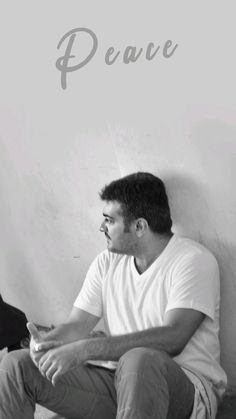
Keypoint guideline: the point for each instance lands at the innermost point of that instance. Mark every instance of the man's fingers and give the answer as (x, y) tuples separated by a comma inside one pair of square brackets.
[(50, 372), (33, 331), (56, 377), (44, 361)]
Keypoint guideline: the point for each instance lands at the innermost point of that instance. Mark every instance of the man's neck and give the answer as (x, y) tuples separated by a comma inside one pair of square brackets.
[(151, 252)]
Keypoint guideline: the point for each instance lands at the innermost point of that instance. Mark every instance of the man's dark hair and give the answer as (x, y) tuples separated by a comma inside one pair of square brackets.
[(141, 195)]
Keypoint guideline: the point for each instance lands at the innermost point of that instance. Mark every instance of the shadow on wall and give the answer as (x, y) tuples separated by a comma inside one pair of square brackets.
[(204, 208), (189, 206), (194, 217)]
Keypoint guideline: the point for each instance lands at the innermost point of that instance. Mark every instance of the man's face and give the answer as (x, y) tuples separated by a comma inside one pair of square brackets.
[(119, 240)]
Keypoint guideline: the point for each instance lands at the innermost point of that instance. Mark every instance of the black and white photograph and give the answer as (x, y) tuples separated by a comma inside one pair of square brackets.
[(117, 209)]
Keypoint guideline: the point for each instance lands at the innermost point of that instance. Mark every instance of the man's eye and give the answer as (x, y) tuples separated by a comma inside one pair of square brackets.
[(108, 220)]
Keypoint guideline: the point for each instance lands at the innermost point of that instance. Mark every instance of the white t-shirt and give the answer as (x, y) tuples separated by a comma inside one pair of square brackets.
[(185, 275)]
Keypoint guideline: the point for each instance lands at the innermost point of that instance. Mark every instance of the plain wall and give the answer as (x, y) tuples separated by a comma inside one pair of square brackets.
[(174, 117)]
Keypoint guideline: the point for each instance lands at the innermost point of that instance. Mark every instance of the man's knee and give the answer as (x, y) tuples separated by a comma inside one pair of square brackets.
[(140, 382), (141, 361), (15, 361)]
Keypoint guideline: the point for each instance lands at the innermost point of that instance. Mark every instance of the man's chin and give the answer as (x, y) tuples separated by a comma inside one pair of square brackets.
[(114, 250), (110, 247)]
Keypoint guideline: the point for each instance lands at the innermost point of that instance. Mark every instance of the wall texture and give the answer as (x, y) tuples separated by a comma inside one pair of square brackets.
[(64, 134)]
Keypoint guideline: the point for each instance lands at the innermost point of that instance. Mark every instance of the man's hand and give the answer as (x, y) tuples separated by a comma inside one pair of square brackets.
[(38, 346), (56, 362), (35, 338)]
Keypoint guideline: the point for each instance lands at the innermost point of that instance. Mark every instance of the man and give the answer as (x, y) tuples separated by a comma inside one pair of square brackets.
[(158, 295)]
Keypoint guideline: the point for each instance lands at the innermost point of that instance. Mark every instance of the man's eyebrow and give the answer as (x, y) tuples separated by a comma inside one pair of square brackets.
[(108, 216)]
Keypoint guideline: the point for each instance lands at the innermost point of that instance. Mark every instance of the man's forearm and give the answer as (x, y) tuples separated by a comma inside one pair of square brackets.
[(113, 347)]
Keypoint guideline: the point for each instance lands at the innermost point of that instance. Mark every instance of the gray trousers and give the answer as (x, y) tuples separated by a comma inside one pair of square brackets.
[(147, 384)]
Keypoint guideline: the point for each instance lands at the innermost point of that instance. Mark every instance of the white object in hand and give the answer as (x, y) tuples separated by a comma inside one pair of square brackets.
[(36, 347)]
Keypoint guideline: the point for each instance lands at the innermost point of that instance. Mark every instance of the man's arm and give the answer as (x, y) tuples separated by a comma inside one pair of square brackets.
[(78, 326), (178, 327)]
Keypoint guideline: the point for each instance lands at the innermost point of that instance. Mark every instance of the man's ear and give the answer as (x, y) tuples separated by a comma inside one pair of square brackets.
[(141, 226)]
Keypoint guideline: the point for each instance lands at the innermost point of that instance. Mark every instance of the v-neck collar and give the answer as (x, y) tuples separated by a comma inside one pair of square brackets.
[(155, 262)]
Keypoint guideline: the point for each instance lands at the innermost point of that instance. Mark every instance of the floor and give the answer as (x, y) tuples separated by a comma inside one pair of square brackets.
[(228, 408)]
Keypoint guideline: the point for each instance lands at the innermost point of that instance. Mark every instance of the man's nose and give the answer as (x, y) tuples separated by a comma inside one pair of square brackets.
[(102, 227)]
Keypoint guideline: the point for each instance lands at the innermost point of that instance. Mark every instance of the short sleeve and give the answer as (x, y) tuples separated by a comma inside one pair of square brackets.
[(195, 284), (90, 295)]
